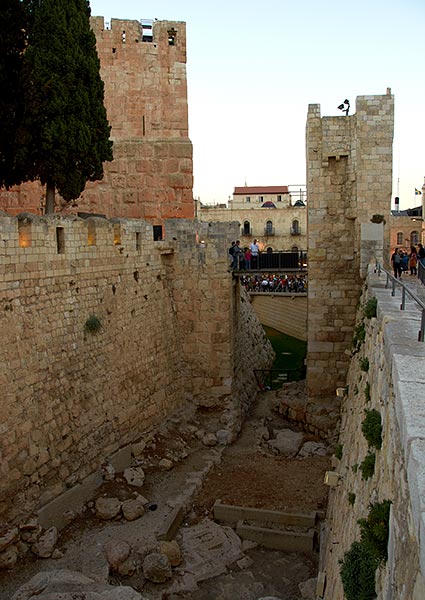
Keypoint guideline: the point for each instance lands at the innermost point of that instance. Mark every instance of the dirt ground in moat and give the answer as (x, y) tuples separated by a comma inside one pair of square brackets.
[(248, 474)]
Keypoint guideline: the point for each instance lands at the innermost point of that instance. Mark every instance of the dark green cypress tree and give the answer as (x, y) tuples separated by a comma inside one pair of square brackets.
[(12, 43), (64, 138)]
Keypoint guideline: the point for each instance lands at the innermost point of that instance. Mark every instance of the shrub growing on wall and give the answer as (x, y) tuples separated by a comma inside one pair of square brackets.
[(372, 429), (367, 467), (375, 529), (370, 308), (358, 573)]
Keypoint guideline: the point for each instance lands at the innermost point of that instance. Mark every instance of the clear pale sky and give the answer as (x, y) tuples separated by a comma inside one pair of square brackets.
[(254, 67)]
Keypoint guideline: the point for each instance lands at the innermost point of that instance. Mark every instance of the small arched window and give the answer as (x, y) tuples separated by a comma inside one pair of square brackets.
[(295, 229), (399, 238), (269, 227), (246, 228), (414, 238)]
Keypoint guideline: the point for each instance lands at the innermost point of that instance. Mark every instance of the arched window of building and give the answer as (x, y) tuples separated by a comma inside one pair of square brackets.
[(269, 228), (414, 238), (269, 250), (246, 228), (399, 238), (295, 229), (294, 249)]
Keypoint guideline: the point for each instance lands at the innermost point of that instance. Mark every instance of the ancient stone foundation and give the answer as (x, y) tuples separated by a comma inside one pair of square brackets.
[(104, 334)]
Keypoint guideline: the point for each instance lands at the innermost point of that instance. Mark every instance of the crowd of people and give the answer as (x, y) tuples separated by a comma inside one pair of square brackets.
[(291, 284), (402, 261)]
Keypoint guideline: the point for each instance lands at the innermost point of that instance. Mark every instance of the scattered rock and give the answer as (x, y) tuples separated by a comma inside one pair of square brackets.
[(138, 449), (56, 554), (62, 584), (313, 449), (134, 508), (108, 472), (166, 464), (224, 437), (245, 562), (134, 476), (107, 508), (157, 568), (172, 552), (248, 545), (31, 524), (287, 442), (46, 543), (127, 568), (209, 439), (308, 588), (9, 557), (8, 538), (117, 551), (68, 516)]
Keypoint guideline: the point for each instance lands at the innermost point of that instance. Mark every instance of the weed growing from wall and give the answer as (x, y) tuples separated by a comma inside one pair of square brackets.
[(359, 336), (367, 467), (367, 392), (351, 498), (361, 561), (374, 530), (372, 428), (358, 573), (338, 451), (370, 308), (92, 325), (364, 364)]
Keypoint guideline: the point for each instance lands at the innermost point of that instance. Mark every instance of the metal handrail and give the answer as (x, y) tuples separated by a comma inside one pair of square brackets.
[(404, 290)]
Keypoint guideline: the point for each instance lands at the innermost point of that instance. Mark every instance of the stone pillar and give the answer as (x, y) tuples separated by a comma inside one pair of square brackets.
[(349, 178)]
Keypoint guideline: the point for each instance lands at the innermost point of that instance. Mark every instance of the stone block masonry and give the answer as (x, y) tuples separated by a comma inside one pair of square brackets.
[(151, 176), (104, 334), (349, 175)]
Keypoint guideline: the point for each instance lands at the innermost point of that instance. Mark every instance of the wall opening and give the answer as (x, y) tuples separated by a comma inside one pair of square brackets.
[(91, 234), (157, 233), (60, 240), (117, 234), (24, 233), (138, 241)]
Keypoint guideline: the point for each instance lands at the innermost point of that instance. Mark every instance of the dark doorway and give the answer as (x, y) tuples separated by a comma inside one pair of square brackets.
[(157, 233)]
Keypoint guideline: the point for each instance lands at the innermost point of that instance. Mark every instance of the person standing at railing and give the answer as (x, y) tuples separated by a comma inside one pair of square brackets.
[(396, 263), (248, 258), (255, 251), (413, 260), (238, 256)]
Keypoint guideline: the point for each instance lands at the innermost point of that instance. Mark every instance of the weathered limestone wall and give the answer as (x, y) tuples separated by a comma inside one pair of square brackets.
[(70, 397), (396, 386), (151, 176), (349, 174), (287, 314)]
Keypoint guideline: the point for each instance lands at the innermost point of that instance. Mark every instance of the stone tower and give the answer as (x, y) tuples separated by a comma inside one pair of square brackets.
[(143, 67), (349, 180)]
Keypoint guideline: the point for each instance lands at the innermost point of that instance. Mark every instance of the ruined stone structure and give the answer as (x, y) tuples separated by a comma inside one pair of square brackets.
[(104, 334), (349, 178), (385, 375), (151, 176)]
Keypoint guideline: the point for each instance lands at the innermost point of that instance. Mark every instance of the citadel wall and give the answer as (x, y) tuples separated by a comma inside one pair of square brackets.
[(393, 385), (349, 179), (170, 325), (151, 176)]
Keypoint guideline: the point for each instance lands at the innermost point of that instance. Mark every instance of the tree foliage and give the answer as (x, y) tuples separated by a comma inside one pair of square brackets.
[(63, 136), (12, 43)]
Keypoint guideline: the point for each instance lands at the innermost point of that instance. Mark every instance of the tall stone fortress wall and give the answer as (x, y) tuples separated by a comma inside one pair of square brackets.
[(151, 176), (385, 375), (73, 393), (349, 178)]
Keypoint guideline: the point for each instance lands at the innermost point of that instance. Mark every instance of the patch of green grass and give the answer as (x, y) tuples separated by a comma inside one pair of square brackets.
[(290, 353), (367, 467), (338, 451)]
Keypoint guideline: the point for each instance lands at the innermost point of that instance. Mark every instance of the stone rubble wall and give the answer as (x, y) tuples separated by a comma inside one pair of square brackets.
[(349, 179), (69, 398), (396, 387)]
